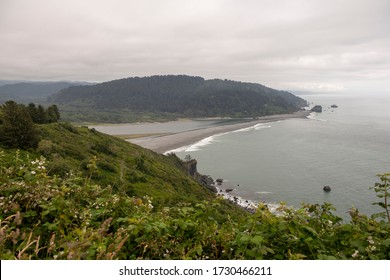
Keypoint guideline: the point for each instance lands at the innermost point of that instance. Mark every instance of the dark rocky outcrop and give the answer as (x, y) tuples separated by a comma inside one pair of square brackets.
[(317, 109), (327, 189), (334, 106), (208, 183), (191, 167)]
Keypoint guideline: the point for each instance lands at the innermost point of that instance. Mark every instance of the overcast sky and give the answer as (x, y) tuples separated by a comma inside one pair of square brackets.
[(317, 45)]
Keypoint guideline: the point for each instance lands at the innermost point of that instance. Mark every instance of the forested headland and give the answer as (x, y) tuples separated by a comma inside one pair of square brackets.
[(171, 97)]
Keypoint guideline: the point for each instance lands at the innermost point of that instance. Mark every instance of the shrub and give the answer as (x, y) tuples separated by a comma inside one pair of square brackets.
[(49, 217)]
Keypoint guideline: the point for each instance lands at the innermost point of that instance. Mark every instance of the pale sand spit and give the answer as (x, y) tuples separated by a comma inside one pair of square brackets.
[(164, 143)]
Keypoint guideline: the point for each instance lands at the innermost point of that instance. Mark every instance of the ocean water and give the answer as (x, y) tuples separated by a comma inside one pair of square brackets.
[(291, 160)]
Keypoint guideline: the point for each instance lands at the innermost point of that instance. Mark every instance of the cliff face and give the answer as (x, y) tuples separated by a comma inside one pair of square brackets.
[(191, 167), (204, 180)]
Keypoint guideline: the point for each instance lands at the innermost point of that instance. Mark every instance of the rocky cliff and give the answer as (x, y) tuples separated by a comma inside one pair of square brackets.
[(191, 167)]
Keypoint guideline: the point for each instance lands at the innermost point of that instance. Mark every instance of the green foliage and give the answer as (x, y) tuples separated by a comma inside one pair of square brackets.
[(122, 165), (17, 124), (53, 114), (45, 147), (71, 217), (170, 97), (40, 115), (16, 127), (187, 157), (382, 190)]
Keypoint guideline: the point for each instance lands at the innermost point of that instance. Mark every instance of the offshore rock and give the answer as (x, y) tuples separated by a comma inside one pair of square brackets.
[(317, 109), (327, 189)]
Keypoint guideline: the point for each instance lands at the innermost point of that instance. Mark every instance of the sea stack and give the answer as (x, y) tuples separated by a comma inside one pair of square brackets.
[(327, 189)]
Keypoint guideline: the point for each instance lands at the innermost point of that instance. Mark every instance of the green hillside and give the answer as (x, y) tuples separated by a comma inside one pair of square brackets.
[(122, 165), (170, 97), (117, 164)]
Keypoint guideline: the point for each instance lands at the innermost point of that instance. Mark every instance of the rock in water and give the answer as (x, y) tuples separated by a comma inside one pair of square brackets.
[(327, 189), (317, 109)]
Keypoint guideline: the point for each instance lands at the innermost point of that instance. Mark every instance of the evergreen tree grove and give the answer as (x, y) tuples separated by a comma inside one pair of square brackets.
[(17, 123), (17, 128)]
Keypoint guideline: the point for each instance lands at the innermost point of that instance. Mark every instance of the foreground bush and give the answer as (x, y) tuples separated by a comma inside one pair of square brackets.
[(48, 217)]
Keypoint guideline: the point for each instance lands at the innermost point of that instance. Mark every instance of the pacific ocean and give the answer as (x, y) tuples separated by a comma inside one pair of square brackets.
[(291, 160)]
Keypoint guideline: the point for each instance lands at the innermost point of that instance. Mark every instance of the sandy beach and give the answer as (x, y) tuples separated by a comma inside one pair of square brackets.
[(164, 143)]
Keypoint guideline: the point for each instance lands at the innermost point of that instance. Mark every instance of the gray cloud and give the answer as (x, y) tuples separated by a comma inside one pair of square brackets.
[(316, 45)]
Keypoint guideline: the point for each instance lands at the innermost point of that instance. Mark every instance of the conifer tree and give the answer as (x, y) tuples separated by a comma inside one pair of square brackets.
[(42, 115), (33, 111), (53, 114), (17, 129)]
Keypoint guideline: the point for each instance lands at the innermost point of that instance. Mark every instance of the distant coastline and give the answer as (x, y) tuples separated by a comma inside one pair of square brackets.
[(167, 143)]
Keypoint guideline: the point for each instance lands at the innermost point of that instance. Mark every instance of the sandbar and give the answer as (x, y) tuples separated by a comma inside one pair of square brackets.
[(164, 143)]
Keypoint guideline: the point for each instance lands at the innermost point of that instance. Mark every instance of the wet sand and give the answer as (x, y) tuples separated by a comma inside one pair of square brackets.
[(164, 143)]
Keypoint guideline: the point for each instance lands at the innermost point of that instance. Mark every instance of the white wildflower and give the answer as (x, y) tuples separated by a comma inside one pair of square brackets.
[(355, 254), (370, 248)]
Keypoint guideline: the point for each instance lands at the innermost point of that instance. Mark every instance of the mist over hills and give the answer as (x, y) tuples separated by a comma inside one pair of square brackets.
[(25, 92), (169, 97)]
